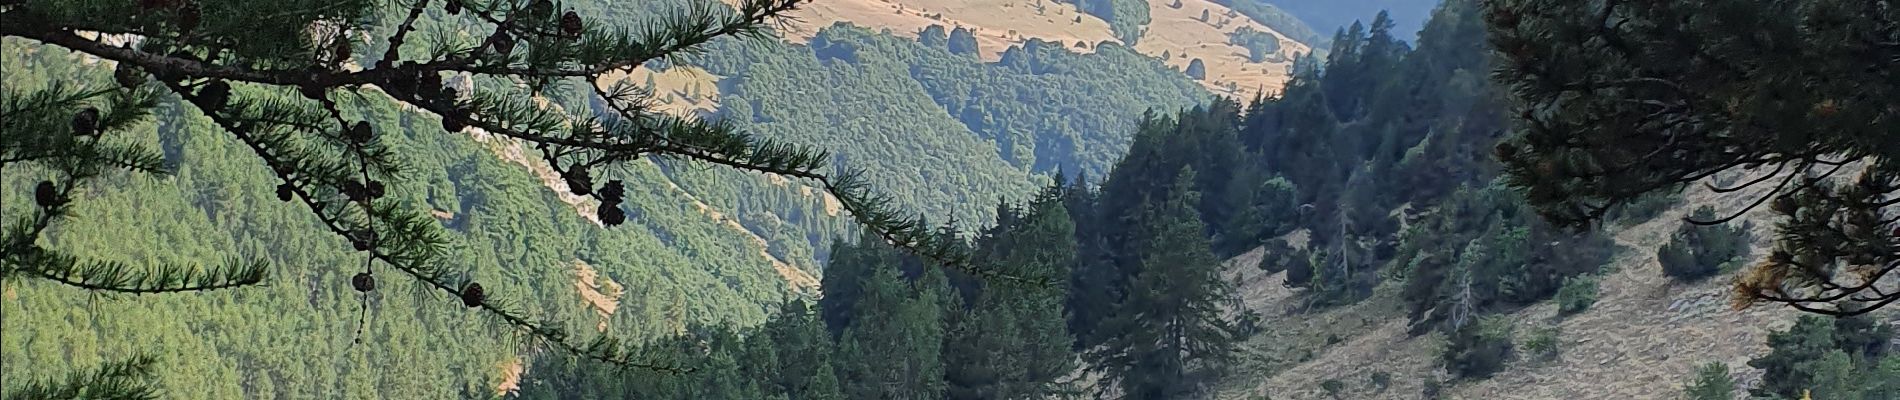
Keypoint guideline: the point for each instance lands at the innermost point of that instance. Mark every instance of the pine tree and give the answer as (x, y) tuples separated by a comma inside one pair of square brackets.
[(933, 36), (962, 41), (894, 349), (292, 85), (1013, 343), (1712, 382), (1619, 99), (1168, 338)]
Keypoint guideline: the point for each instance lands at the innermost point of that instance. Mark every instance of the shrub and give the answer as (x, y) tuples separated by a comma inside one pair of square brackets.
[(1479, 350), (1381, 380), (1644, 208), (1711, 383), (1333, 387), (1542, 344), (1576, 295), (1821, 354), (1432, 389), (1698, 252)]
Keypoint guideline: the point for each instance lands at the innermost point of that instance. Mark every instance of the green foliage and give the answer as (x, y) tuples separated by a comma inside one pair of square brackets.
[(1712, 382), (1261, 46), (903, 329), (1276, 19), (1476, 254), (1196, 70), (933, 36), (1835, 358), (1168, 338), (1542, 344), (1480, 348), (1644, 208), (1380, 380), (1125, 17), (129, 379), (1576, 295), (1612, 113), (1333, 387), (962, 41), (1695, 252)]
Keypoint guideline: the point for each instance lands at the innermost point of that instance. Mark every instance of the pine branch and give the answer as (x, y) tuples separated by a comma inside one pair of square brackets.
[(325, 162), (115, 277), (408, 241), (128, 379)]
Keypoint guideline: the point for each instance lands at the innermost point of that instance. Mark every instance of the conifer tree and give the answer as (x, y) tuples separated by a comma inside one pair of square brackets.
[(1168, 339), (291, 80), (1618, 99), (894, 349), (1013, 344)]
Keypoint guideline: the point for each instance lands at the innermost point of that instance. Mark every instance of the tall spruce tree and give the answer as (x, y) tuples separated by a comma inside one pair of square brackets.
[(1617, 99), (894, 347), (1168, 338), (295, 81), (1013, 344)]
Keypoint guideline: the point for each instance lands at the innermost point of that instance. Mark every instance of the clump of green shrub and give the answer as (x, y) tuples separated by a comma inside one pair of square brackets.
[(1542, 344), (1333, 387), (1696, 252), (1577, 294), (1478, 350)]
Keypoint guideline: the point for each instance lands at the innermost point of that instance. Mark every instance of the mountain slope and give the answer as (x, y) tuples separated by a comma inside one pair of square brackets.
[(1642, 339), (1178, 32)]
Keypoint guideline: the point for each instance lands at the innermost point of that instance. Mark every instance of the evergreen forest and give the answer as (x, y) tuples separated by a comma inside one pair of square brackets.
[(496, 199)]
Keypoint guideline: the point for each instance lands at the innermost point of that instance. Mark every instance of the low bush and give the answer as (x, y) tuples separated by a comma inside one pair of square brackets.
[(1697, 252), (1542, 344), (1576, 295), (1480, 349)]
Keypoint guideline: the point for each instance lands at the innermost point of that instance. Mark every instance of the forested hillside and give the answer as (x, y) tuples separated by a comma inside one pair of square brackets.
[(1115, 223), (948, 133)]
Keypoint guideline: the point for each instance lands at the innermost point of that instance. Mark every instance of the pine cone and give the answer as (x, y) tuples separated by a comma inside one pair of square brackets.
[(504, 43), (285, 191), (579, 181), (46, 195), (472, 295), (86, 122), (361, 239), (355, 191), (363, 282), (341, 50), (214, 95), (128, 76), (613, 191), (360, 133), (571, 24), (611, 215), (451, 125)]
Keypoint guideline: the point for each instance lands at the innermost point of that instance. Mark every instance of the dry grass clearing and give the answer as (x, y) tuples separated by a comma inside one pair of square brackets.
[(1181, 33), (681, 90), (1177, 31), (998, 24)]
